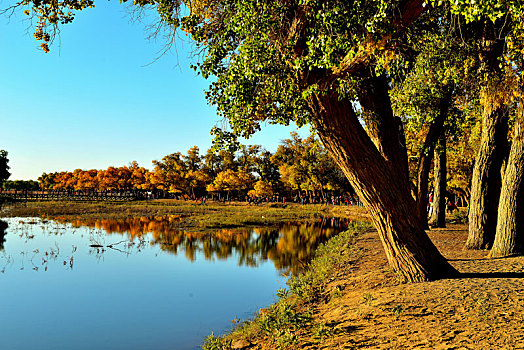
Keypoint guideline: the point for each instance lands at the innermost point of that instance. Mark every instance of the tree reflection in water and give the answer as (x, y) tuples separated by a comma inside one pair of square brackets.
[(289, 246), (3, 227)]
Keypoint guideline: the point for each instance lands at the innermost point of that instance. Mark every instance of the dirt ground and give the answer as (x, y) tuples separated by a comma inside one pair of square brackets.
[(483, 309)]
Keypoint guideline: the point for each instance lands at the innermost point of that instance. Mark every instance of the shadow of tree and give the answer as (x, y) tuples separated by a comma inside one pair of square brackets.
[(491, 275)]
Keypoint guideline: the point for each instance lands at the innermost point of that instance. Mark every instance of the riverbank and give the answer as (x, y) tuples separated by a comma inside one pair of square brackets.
[(355, 301), (191, 214)]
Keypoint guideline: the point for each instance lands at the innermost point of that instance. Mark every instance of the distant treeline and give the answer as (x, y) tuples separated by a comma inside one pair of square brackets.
[(21, 185), (299, 167)]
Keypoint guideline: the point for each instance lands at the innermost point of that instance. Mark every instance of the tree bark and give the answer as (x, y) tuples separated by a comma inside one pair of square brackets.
[(486, 181), (438, 214), (382, 126), (385, 193), (509, 235), (426, 154)]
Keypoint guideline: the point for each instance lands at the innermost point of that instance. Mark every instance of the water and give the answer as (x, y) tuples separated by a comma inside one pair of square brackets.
[(139, 283)]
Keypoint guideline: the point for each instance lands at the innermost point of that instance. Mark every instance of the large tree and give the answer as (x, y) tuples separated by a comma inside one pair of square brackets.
[(486, 182), (500, 46), (509, 238)]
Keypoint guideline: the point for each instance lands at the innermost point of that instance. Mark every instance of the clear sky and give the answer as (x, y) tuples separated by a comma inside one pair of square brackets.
[(99, 98)]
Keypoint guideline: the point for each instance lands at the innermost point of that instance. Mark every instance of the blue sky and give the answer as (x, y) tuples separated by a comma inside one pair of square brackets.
[(99, 98)]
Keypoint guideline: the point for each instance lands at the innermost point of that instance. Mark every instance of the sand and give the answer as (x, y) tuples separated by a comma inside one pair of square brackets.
[(482, 310)]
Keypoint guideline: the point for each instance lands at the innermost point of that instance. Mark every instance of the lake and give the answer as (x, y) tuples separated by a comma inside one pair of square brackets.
[(140, 283)]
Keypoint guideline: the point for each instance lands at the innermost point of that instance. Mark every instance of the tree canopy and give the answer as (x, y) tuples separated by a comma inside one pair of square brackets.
[(4, 167), (250, 170)]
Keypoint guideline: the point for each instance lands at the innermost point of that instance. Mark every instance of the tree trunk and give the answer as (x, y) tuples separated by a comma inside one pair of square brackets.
[(426, 154), (3, 227), (486, 182), (438, 214), (383, 131), (385, 192), (509, 235)]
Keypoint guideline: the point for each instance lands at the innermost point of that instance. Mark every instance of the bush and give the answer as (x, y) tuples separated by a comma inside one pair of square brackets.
[(460, 216)]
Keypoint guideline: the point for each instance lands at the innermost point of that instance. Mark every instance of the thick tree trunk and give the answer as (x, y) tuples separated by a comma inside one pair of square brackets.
[(383, 129), (509, 235), (438, 214), (384, 191), (486, 182)]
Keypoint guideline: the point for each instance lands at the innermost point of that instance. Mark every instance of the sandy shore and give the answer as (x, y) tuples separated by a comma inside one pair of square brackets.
[(484, 309)]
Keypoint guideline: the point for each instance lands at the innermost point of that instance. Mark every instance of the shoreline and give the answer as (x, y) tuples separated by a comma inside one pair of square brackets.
[(361, 304), (192, 215)]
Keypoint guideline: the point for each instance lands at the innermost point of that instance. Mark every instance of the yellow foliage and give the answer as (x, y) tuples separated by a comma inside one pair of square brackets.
[(261, 189)]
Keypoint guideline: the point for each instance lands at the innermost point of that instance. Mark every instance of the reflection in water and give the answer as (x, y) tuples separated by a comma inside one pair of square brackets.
[(128, 267), (289, 246), (3, 227)]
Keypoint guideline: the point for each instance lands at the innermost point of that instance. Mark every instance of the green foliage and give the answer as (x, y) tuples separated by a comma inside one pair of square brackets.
[(479, 9), (20, 185), (397, 310), (460, 216), (282, 316), (282, 293), (4, 167), (443, 63), (47, 181), (256, 67), (215, 343), (266, 169), (285, 339), (322, 331)]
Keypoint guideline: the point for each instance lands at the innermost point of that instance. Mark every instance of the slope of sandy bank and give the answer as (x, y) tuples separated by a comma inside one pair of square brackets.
[(484, 309)]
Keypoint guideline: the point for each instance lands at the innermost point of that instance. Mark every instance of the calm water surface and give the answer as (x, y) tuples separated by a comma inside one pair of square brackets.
[(139, 283)]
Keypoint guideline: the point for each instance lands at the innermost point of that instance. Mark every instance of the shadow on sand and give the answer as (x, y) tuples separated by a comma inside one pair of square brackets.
[(491, 275)]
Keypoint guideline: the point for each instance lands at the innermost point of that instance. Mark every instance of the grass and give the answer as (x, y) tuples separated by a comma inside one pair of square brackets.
[(322, 331), (289, 320), (397, 310), (483, 305), (194, 215), (369, 298)]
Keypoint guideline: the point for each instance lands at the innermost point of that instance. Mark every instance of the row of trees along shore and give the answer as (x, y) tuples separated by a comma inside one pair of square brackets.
[(371, 77), (300, 167)]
